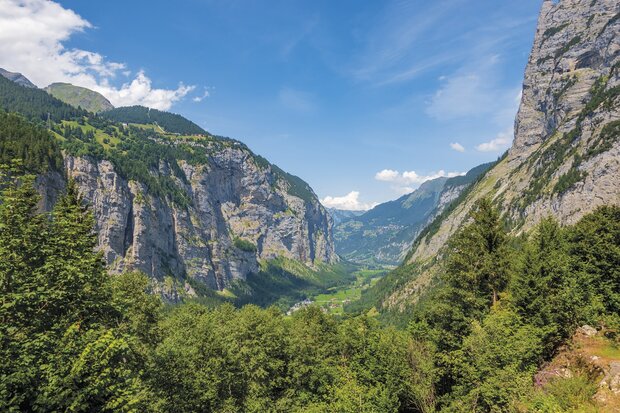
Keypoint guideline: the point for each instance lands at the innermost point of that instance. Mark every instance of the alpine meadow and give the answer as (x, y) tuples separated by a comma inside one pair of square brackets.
[(151, 264)]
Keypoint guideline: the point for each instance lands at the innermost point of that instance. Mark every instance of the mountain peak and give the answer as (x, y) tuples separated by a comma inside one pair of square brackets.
[(17, 78), (79, 96)]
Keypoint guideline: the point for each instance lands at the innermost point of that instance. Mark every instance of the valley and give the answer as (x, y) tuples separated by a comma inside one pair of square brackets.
[(335, 299), (149, 265)]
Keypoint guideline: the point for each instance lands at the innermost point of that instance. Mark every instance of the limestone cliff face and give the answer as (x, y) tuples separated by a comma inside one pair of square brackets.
[(565, 159), (240, 211)]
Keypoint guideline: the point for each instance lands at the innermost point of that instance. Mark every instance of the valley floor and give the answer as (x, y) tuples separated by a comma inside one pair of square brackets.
[(336, 298)]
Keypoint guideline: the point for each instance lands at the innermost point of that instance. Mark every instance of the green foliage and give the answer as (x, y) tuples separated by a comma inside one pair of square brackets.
[(390, 283), (570, 178), (245, 245), (79, 97), (574, 41), (73, 338), (434, 226), (296, 186), (34, 104), (20, 139), (504, 306), (573, 395), (256, 360), (609, 135), (170, 122), (283, 282), (594, 247), (61, 348), (554, 30)]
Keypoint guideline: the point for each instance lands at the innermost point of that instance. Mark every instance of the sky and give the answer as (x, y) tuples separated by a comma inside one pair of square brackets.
[(363, 99)]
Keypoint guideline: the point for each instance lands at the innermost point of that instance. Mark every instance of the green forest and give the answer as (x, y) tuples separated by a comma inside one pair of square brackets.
[(77, 339)]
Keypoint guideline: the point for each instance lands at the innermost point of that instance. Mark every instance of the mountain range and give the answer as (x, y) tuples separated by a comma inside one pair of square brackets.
[(565, 158), (195, 212), (384, 235)]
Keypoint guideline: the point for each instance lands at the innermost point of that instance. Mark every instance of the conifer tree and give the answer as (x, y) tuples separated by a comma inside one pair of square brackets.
[(22, 232), (74, 275)]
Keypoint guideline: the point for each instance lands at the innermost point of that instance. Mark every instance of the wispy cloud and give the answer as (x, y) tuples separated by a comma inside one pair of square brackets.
[(202, 97), (474, 90), (412, 38), (457, 147), (33, 34), (349, 202), (392, 52), (501, 142), (408, 181)]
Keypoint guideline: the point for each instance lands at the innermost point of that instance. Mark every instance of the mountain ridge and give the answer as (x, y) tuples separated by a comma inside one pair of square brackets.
[(17, 78), (565, 159), (191, 211), (78, 96), (384, 234)]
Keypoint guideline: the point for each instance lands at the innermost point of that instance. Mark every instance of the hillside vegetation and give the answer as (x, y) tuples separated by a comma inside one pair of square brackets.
[(384, 235), (79, 97), (74, 338), (168, 122)]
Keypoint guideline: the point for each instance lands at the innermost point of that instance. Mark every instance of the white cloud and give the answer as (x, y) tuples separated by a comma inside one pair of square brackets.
[(32, 37), (500, 143), (386, 175), (202, 97), (349, 202), (457, 147), (408, 181)]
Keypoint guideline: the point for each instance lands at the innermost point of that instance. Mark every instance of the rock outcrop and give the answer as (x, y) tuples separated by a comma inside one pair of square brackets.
[(565, 159), (240, 211)]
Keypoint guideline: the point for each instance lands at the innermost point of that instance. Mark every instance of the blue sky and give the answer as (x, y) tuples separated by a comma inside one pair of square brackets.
[(362, 99)]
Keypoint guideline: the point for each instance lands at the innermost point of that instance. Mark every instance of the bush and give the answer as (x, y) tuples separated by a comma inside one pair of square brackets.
[(245, 245)]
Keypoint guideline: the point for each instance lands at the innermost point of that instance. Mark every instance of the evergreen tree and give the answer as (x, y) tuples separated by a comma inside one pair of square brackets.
[(594, 245), (22, 232), (542, 290), (74, 276)]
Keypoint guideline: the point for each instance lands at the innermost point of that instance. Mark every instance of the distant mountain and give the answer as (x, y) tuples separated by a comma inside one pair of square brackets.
[(79, 97), (34, 103), (384, 234), (168, 122), (340, 215), (17, 78)]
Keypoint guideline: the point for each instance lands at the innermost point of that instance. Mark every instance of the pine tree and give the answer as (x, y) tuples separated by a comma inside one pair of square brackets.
[(22, 232), (74, 275), (541, 290)]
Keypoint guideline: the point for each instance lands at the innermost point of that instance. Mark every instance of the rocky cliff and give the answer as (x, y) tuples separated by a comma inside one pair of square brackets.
[(240, 210), (565, 159), (190, 209)]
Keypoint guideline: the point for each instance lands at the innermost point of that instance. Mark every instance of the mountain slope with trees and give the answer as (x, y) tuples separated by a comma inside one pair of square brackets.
[(195, 212), (79, 97), (384, 235), (565, 160)]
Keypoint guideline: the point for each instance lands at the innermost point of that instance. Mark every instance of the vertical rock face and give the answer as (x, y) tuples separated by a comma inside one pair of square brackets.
[(565, 159), (576, 43), (239, 212)]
